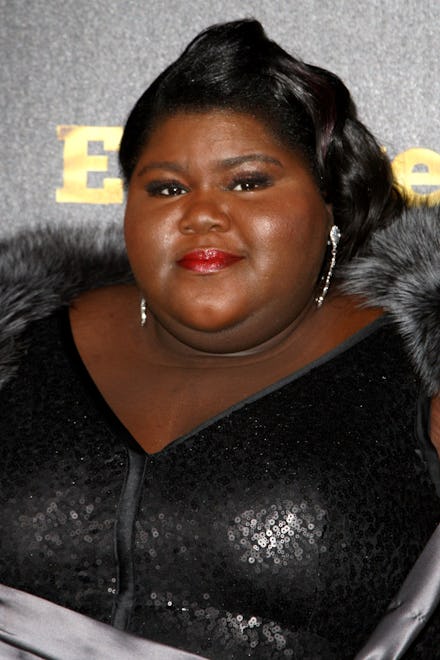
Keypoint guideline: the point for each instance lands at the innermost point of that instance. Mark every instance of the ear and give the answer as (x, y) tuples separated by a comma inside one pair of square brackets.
[(329, 209)]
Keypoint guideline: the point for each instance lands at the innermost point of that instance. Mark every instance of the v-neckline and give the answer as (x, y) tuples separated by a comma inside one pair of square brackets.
[(346, 345)]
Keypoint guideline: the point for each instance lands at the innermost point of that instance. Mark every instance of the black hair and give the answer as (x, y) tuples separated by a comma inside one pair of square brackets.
[(235, 66)]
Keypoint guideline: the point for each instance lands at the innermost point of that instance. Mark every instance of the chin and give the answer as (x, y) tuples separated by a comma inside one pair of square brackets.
[(211, 318), (212, 325)]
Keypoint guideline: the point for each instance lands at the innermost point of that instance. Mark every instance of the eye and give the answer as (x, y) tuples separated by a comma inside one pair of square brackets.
[(165, 189), (250, 182)]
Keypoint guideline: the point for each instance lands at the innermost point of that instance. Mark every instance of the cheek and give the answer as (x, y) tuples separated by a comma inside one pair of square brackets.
[(294, 241), (146, 240), (295, 246)]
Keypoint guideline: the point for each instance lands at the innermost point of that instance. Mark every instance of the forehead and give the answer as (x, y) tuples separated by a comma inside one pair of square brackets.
[(212, 135)]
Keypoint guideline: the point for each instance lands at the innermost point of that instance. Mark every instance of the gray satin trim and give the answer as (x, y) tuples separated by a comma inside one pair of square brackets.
[(31, 627), (409, 611)]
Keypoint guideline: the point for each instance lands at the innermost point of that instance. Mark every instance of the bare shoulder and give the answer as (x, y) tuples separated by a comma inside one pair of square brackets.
[(103, 300), (346, 314), (100, 316)]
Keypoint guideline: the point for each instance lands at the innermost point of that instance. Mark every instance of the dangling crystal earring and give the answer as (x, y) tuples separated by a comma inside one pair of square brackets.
[(143, 311), (335, 235)]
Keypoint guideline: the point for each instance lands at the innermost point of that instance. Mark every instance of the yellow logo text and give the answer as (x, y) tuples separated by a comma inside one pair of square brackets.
[(78, 163)]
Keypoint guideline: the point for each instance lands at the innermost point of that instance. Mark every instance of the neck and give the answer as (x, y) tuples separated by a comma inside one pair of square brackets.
[(215, 351)]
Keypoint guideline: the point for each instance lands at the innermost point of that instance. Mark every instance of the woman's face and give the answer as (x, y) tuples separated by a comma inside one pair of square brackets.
[(226, 231)]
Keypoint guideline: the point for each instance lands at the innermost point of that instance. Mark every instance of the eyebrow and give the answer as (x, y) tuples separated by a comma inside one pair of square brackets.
[(162, 165), (239, 160), (225, 163)]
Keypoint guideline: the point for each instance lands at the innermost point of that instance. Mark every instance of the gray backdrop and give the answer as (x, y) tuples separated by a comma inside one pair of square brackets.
[(83, 63)]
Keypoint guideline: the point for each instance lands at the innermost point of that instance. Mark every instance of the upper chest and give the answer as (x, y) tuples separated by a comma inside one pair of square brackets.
[(132, 374)]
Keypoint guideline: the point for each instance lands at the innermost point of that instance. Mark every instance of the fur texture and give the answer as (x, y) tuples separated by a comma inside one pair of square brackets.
[(45, 268), (401, 273)]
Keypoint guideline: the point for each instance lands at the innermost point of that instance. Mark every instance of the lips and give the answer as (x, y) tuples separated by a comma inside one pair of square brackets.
[(208, 260)]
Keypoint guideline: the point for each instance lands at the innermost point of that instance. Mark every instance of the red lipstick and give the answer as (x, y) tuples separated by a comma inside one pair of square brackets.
[(207, 260)]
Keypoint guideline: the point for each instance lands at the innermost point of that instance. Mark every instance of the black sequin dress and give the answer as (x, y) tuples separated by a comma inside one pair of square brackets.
[(280, 529)]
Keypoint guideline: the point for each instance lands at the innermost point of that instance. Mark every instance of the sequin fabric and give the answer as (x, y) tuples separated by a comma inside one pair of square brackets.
[(280, 530)]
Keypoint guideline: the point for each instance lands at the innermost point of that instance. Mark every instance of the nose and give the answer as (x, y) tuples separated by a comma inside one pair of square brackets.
[(203, 215)]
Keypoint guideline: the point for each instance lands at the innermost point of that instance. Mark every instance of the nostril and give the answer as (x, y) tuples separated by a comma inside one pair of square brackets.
[(204, 218)]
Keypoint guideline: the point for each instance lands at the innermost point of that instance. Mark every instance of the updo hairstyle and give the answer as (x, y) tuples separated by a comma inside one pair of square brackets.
[(234, 66)]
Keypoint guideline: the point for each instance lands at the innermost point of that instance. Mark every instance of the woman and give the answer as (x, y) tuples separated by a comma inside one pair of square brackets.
[(238, 421)]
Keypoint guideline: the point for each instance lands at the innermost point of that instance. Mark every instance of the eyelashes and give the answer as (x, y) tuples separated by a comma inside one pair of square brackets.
[(165, 189), (250, 182), (244, 182)]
